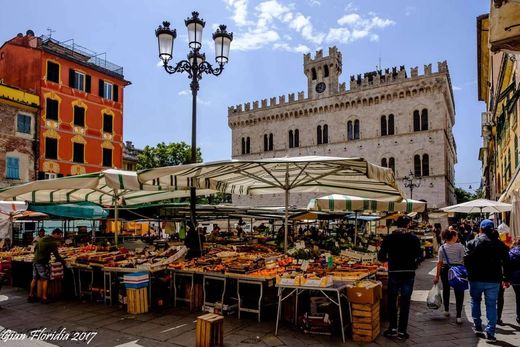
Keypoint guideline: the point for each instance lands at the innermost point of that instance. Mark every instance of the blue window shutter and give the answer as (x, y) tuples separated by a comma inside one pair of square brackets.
[(13, 171)]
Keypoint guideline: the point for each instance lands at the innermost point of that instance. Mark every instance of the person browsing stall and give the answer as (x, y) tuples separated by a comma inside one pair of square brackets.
[(450, 253), (403, 252), (487, 261), (46, 246)]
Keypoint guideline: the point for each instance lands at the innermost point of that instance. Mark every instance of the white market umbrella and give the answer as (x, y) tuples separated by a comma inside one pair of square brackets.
[(107, 188), (479, 206), (515, 214), (347, 203), (353, 176), (8, 210)]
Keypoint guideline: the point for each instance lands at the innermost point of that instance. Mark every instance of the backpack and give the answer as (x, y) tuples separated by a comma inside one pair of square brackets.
[(457, 275)]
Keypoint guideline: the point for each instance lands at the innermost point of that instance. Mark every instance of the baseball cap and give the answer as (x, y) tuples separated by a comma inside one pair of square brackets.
[(487, 224)]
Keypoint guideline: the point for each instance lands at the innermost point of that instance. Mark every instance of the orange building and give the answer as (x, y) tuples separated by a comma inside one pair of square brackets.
[(80, 126)]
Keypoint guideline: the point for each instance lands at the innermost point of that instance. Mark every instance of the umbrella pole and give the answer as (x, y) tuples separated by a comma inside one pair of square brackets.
[(355, 229), (116, 218), (286, 233)]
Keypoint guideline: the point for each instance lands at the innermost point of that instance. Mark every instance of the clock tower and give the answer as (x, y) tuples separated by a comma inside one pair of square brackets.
[(322, 73)]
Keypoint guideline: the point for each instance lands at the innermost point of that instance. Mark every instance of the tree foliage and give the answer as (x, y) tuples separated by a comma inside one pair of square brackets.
[(464, 195), (166, 155)]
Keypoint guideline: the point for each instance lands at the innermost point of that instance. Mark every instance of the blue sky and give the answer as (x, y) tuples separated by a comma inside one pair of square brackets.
[(266, 55)]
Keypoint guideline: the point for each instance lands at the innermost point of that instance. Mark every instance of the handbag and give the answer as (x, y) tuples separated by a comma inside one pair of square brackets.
[(457, 274)]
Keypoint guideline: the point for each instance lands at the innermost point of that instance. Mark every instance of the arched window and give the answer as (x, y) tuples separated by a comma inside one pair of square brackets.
[(356, 129), (383, 126), (319, 135), (266, 143), (325, 71), (391, 124), (350, 131), (325, 133), (426, 165), (417, 165), (314, 76), (271, 141), (296, 138), (291, 139), (391, 163), (243, 145), (424, 119), (384, 162), (416, 121), (248, 145)]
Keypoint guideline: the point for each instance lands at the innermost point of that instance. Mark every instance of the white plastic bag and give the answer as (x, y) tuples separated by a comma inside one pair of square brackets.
[(434, 300)]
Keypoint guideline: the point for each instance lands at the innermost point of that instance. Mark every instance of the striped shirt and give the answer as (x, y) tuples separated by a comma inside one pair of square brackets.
[(455, 252)]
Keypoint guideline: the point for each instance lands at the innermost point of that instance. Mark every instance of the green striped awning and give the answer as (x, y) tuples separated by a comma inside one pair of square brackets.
[(101, 188), (346, 203)]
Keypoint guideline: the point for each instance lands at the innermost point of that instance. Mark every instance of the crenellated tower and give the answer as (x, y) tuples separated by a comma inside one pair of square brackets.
[(322, 73)]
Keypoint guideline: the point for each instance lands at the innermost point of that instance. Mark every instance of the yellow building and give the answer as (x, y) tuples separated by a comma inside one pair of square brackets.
[(18, 124), (498, 53)]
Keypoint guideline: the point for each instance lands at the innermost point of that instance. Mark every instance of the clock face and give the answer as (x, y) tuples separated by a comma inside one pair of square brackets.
[(320, 87)]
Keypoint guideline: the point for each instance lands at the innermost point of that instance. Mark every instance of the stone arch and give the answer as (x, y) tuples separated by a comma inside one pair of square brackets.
[(428, 89), (401, 95), (336, 106), (320, 109), (315, 110), (408, 93), (414, 92), (388, 97)]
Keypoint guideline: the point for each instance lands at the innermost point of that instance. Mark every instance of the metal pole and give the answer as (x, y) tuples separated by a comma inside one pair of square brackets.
[(194, 85), (286, 236), (355, 228), (286, 233), (116, 217)]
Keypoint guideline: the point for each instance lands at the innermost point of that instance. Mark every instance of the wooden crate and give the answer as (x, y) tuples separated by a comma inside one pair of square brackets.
[(54, 289), (210, 331), (137, 300), (365, 322), (196, 298)]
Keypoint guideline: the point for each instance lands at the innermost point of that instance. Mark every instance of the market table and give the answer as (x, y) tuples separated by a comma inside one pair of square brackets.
[(118, 271), (251, 280), (337, 290), (177, 274), (79, 268)]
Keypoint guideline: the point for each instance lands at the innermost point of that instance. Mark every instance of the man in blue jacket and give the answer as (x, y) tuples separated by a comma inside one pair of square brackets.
[(487, 261)]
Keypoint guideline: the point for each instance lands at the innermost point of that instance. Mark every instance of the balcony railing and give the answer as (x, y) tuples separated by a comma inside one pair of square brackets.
[(79, 52)]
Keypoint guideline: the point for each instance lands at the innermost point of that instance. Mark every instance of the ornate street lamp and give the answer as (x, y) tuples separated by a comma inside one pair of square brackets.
[(195, 66), (411, 181)]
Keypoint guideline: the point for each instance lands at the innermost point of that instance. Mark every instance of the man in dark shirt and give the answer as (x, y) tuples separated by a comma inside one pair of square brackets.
[(46, 246), (487, 261), (402, 250)]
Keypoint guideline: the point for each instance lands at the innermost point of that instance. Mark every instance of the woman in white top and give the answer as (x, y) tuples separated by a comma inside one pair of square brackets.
[(455, 256)]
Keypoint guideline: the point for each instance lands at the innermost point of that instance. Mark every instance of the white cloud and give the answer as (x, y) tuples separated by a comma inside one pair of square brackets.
[(295, 49), (239, 8), (184, 92), (255, 40), (273, 23), (409, 10), (457, 88), (349, 19)]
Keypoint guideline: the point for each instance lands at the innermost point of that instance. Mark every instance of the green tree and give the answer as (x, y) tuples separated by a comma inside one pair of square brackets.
[(166, 155), (462, 195)]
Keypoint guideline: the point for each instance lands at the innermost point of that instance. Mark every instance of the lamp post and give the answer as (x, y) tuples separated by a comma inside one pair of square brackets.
[(195, 66), (411, 181)]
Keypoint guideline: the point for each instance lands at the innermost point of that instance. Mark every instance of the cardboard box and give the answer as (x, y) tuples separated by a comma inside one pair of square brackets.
[(369, 294)]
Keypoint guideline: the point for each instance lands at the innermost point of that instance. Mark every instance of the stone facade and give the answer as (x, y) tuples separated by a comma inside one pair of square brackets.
[(130, 154), (17, 140), (334, 121)]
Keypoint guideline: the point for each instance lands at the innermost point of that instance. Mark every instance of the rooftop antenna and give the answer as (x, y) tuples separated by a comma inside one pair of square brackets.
[(50, 32)]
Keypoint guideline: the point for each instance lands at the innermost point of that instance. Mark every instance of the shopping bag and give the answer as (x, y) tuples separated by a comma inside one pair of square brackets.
[(434, 300)]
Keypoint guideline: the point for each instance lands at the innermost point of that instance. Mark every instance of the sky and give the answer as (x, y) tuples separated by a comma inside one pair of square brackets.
[(270, 37)]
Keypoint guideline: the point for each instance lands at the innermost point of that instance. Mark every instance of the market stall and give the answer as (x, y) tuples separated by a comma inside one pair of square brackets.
[(313, 174)]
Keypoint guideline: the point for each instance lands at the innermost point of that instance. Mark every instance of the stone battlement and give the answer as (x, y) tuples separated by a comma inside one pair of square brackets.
[(380, 77), (357, 82)]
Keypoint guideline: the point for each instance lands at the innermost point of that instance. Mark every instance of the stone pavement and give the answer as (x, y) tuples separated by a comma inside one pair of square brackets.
[(176, 327)]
